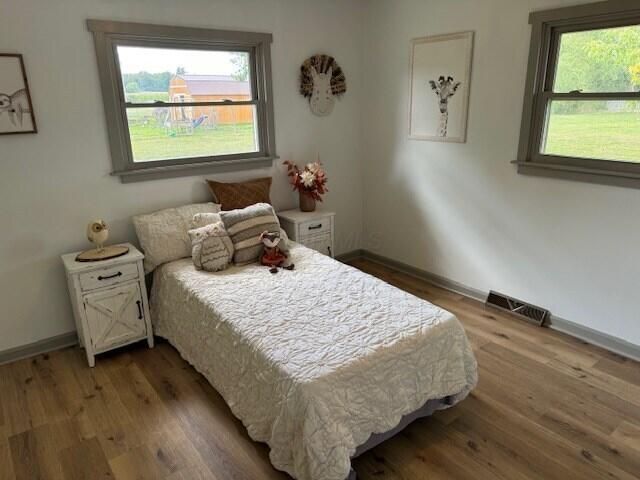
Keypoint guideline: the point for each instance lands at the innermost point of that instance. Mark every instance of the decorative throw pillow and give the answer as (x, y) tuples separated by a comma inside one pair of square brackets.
[(203, 219), (240, 195), (163, 234), (212, 249), (244, 226)]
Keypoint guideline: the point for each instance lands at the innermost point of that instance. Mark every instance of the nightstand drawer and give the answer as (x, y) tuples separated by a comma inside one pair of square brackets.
[(314, 227), (319, 243), (108, 276)]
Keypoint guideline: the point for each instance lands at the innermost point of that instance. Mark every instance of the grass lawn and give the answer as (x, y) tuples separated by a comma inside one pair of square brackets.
[(147, 97), (610, 136), (152, 142)]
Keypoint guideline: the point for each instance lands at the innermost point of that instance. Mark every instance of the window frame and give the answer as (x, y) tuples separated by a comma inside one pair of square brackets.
[(108, 36), (547, 28)]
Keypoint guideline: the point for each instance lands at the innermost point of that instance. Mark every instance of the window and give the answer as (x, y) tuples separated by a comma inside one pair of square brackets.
[(184, 100), (581, 118)]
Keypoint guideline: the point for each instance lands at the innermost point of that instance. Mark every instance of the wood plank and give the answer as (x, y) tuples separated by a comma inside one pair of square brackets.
[(136, 464), (585, 400), (592, 376), (6, 463), (21, 403), (85, 460), (193, 473), (110, 419), (592, 440), (629, 434), (36, 453), (622, 368), (481, 407)]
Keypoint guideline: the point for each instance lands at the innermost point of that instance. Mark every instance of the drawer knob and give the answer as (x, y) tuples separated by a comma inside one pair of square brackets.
[(139, 309), (315, 227), (109, 277)]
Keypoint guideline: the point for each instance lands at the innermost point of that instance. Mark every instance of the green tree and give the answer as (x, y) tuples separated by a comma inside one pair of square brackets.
[(241, 63), (149, 82), (598, 60), (132, 87), (635, 75)]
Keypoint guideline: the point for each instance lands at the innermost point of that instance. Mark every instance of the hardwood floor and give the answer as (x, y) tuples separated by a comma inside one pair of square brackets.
[(547, 406)]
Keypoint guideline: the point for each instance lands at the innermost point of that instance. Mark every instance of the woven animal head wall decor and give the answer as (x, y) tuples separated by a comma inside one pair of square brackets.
[(321, 80)]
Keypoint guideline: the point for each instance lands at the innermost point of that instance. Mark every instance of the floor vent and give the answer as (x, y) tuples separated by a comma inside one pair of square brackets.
[(517, 307)]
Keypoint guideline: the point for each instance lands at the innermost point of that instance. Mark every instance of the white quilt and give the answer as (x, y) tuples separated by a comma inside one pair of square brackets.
[(315, 360)]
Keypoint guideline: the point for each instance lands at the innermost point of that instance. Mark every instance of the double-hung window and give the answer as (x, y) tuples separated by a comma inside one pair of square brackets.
[(581, 116), (184, 101)]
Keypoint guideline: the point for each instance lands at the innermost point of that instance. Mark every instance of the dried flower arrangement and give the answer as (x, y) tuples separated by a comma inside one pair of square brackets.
[(310, 183)]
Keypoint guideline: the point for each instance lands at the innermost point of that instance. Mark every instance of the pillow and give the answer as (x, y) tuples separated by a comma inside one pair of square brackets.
[(200, 220), (240, 195), (244, 226), (212, 249), (163, 234)]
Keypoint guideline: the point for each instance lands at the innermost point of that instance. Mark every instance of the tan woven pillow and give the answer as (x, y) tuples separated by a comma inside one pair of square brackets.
[(233, 196)]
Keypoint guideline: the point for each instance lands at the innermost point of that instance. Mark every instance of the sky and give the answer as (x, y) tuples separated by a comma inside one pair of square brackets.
[(156, 60)]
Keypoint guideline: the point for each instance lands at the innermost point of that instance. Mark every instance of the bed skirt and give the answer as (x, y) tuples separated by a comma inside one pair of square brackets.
[(377, 438)]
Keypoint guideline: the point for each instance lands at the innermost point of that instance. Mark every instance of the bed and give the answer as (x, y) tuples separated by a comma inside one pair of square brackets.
[(322, 362)]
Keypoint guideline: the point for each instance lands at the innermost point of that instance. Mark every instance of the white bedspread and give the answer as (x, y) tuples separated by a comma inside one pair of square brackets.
[(315, 360)]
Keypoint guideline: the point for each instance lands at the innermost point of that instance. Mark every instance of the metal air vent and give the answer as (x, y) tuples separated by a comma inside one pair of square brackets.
[(524, 310)]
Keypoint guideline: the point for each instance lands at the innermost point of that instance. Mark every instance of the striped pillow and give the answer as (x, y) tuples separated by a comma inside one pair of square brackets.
[(245, 225)]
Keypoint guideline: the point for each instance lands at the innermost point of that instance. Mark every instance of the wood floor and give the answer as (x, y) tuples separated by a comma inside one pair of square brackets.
[(547, 407)]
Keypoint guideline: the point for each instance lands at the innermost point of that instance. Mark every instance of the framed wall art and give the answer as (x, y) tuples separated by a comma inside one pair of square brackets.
[(16, 109), (439, 92)]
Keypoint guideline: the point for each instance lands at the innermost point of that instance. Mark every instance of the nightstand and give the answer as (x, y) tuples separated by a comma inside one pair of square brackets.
[(312, 229), (109, 300)]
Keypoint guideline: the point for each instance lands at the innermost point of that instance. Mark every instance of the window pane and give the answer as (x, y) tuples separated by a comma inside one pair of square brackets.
[(606, 60), (183, 132), (178, 75), (601, 130)]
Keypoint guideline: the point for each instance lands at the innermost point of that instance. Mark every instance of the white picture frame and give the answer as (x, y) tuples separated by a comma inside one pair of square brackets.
[(440, 81)]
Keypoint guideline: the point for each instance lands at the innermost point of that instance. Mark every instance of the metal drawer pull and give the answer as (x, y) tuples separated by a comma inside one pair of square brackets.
[(315, 227), (139, 309), (109, 277)]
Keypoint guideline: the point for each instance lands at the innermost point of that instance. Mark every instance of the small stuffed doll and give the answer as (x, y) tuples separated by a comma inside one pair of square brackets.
[(276, 253)]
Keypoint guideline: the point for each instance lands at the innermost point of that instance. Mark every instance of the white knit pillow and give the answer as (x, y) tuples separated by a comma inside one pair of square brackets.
[(163, 234), (200, 220), (211, 247)]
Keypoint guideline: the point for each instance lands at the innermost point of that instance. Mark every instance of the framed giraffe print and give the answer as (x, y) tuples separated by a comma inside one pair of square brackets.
[(439, 91), (16, 110)]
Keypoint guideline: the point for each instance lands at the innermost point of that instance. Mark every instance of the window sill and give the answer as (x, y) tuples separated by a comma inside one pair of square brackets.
[(581, 174), (191, 169)]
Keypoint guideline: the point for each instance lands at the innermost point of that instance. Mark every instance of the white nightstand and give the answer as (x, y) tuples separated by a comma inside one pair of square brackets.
[(109, 300), (312, 229)]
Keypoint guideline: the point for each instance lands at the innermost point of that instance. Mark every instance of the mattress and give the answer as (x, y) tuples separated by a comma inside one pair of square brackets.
[(315, 360)]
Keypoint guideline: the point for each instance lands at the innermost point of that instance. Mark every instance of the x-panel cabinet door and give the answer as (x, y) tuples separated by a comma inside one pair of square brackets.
[(115, 315)]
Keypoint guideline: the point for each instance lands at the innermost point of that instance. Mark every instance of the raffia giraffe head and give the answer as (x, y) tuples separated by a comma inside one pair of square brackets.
[(444, 89)]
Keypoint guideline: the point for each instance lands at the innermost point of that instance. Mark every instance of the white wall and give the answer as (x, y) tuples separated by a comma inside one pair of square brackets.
[(53, 183), (461, 211)]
